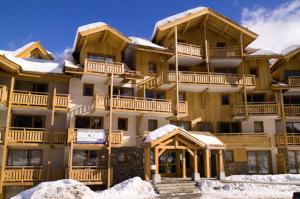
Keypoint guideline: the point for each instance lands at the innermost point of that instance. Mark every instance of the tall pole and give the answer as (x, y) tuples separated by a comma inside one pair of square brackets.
[(244, 77), (177, 73), (109, 173), (5, 140)]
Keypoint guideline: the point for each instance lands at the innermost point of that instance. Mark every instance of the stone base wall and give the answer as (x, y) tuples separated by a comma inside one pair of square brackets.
[(127, 162), (236, 168)]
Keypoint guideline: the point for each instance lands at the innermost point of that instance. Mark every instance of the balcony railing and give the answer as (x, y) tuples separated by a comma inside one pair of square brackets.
[(245, 139), (183, 108), (292, 110), (189, 49), (88, 175), (142, 104), (22, 174), (39, 99), (116, 136), (259, 108), (35, 135), (226, 52), (3, 94), (94, 66), (294, 81), (291, 139), (100, 102), (211, 78)]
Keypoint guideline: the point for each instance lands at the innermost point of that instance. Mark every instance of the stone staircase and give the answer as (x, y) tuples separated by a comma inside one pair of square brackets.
[(175, 185)]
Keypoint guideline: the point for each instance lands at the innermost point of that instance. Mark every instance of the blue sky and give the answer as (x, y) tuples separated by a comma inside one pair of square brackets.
[(54, 22)]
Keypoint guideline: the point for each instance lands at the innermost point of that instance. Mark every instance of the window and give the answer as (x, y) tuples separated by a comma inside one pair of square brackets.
[(122, 156), (123, 124), (123, 91), (23, 157), (205, 126), (258, 126), (85, 158), (89, 122), (294, 161), (229, 156), (293, 127), (253, 71), (291, 100), (255, 97), (291, 73), (226, 70), (225, 100), (182, 97), (152, 125), (152, 67), (229, 127), (88, 89), (29, 121), (155, 94), (172, 67), (100, 58), (31, 86), (221, 44), (258, 162), (182, 124)]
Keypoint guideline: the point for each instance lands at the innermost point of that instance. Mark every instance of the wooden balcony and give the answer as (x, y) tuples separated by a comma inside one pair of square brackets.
[(197, 78), (116, 137), (39, 100), (13, 175), (100, 102), (258, 109), (227, 52), (138, 104), (189, 49), (291, 139), (88, 175), (245, 139), (102, 67), (35, 136), (183, 108), (292, 110), (294, 81), (3, 94)]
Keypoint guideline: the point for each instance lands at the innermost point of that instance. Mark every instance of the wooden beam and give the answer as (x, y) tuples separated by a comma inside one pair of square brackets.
[(104, 36), (220, 163), (177, 163), (244, 76), (187, 25), (177, 74), (7, 126), (156, 160), (110, 130), (222, 32), (195, 161), (207, 163), (147, 172), (170, 33), (183, 164)]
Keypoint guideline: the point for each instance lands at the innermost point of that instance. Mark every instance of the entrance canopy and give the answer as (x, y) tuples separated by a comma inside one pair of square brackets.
[(166, 132)]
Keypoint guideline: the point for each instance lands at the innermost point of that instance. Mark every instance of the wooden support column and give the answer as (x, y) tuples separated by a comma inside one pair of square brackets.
[(147, 171), (70, 163), (283, 118), (7, 126), (177, 73), (206, 46), (207, 163), (195, 162), (156, 160), (178, 162), (220, 165), (109, 173), (183, 164), (244, 76)]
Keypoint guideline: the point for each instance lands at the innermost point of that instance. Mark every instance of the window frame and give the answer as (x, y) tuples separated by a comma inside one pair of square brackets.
[(262, 126), (256, 71), (85, 85), (156, 124), (28, 157), (155, 67), (230, 123), (226, 100), (232, 156), (90, 121), (126, 124), (33, 119)]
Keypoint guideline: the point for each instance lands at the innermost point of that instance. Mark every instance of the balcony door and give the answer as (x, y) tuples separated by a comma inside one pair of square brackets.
[(28, 121), (259, 162), (31, 86), (86, 122)]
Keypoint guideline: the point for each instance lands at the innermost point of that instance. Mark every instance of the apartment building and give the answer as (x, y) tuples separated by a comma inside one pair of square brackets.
[(194, 101)]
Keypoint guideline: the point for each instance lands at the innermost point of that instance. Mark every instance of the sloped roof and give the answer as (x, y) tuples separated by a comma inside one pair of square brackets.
[(32, 46), (202, 138), (144, 42)]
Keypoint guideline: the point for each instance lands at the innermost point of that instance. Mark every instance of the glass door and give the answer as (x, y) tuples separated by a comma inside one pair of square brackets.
[(167, 164)]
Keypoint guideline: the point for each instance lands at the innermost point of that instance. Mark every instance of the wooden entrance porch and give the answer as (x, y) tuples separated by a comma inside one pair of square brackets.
[(178, 153)]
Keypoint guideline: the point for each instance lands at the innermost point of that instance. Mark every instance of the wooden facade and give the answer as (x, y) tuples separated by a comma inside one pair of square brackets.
[(201, 77)]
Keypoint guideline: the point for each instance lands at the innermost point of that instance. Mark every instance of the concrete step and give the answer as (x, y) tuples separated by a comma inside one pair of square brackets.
[(183, 189), (178, 184), (179, 196), (175, 179)]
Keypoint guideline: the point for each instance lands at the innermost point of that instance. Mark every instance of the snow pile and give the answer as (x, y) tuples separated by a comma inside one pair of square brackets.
[(215, 189), (175, 17), (131, 188), (281, 178), (160, 132), (208, 139), (63, 189), (145, 42)]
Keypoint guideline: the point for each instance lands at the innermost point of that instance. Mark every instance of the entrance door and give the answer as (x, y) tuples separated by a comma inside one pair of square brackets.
[(167, 164)]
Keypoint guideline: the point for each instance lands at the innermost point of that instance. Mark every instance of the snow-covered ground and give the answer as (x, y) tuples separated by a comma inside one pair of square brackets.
[(251, 186), (133, 188)]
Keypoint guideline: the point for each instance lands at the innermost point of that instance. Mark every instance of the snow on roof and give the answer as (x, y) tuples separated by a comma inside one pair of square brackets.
[(160, 132), (35, 65), (145, 42), (290, 49), (19, 50), (263, 52), (175, 17), (87, 27), (207, 138)]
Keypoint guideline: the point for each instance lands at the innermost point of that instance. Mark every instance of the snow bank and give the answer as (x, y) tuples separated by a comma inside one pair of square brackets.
[(131, 188), (212, 189), (175, 17), (145, 42), (63, 189), (281, 178)]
